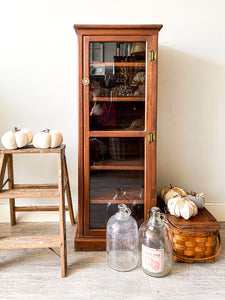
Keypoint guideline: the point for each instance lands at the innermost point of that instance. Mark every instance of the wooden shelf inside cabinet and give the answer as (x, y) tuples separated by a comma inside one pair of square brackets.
[(125, 201), (118, 99), (117, 133), (118, 64), (111, 164)]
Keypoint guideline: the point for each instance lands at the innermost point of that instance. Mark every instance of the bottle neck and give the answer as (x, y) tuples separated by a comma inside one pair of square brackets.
[(155, 218), (124, 211)]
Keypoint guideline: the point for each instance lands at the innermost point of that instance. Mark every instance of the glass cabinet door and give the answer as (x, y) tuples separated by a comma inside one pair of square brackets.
[(115, 118), (117, 85), (116, 176)]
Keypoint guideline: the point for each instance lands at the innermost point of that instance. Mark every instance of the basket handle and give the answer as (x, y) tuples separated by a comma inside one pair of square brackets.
[(203, 258)]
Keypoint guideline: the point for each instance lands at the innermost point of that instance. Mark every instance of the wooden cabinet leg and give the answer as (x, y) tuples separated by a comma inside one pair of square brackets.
[(11, 184), (62, 220), (68, 192)]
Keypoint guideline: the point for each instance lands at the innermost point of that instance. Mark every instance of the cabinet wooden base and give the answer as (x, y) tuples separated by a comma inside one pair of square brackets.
[(89, 243)]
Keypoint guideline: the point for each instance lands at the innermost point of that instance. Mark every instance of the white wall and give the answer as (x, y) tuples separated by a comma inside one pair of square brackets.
[(38, 85)]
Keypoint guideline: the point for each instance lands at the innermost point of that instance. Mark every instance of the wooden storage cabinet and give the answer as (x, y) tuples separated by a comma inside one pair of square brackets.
[(117, 125)]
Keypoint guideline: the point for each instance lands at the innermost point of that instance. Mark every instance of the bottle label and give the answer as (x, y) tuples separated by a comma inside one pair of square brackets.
[(152, 259)]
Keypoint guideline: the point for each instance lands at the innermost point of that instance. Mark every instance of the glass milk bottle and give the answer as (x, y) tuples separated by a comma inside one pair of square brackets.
[(156, 245), (122, 240)]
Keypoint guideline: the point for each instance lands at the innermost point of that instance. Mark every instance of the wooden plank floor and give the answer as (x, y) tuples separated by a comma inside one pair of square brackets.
[(35, 274)]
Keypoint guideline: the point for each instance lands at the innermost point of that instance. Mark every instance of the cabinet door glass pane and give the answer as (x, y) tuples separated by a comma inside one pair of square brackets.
[(116, 176), (117, 86)]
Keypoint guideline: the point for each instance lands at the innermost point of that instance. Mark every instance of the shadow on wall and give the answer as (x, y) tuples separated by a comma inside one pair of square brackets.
[(191, 123)]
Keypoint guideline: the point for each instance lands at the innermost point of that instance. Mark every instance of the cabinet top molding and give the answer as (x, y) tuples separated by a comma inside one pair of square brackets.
[(84, 27)]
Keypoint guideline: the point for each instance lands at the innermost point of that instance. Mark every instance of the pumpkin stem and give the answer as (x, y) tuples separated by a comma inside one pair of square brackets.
[(46, 130), (16, 129), (171, 186)]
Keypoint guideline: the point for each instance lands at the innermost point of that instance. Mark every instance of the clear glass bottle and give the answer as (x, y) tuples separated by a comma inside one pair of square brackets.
[(122, 240), (156, 245), (112, 207)]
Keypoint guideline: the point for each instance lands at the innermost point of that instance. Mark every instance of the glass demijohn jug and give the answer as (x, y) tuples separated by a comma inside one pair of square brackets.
[(122, 240), (112, 208), (156, 245)]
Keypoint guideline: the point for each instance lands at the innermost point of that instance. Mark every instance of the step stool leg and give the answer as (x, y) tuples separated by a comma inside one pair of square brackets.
[(11, 184), (62, 220), (68, 192), (3, 158)]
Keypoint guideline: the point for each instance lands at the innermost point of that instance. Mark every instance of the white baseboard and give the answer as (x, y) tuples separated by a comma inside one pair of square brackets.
[(216, 209)]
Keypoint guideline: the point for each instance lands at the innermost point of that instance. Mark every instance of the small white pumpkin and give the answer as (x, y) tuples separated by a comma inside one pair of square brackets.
[(47, 139), (182, 207), (198, 199), (17, 139), (29, 134), (169, 192)]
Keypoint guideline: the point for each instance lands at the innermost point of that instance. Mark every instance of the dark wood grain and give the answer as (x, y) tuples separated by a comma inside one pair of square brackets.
[(203, 222), (87, 238), (86, 140), (117, 30), (115, 133), (89, 243), (80, 224), (118, 26)]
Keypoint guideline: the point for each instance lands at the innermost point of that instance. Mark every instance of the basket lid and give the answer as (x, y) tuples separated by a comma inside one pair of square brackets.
[(204, 221)]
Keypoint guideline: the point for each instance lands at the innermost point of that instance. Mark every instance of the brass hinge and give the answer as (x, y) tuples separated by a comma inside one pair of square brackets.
[(152, 56), (151, 137)]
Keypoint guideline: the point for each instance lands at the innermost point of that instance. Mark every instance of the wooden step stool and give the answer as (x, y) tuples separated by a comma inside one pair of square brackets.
[(37, 191)]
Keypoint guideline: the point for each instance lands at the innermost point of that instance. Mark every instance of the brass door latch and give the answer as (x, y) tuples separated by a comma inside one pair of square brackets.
[(151, 137)]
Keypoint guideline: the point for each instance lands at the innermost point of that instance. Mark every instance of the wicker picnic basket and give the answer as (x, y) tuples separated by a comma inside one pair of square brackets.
[(195, 240)]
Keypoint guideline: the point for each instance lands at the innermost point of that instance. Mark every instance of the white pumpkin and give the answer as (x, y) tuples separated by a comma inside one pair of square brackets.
[(47, 139), (17, 139), (29, 134), (198, 199), (169, 192), (182, 207)]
